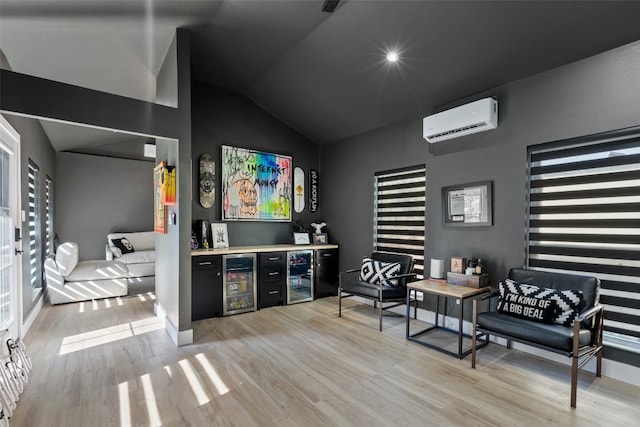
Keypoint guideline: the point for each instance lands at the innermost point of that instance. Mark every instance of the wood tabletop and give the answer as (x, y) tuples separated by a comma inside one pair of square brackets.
[(446, 289)]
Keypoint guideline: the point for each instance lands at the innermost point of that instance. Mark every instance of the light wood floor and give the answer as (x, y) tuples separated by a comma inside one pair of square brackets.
[(300, 365)]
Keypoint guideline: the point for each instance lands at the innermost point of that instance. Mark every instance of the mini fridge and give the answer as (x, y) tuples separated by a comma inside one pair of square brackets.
[(299, 276), (239, 284)]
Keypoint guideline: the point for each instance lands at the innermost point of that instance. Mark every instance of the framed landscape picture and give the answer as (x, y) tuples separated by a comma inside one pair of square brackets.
[(256, 186)]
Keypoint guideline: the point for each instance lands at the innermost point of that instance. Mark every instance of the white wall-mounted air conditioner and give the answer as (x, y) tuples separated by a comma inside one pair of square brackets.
[(476, 116)]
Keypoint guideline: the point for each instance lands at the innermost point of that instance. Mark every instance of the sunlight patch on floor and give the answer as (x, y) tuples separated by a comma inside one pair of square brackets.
[(111, 334), (150, 400), (212, 374), (144, 326), (125, 406), (194, 381)]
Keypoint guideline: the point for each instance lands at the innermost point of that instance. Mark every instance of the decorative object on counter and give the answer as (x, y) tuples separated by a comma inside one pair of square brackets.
[(314, 191), (301, 238), (160, 210), (219, 236), (458, 264), (468, 204), (320, 238), (256, 186), (194, 241), (298, 187), (437, 268), (298, 226), (202, 233), (318, 227), (207, 180), (471, 266), (470, 280)]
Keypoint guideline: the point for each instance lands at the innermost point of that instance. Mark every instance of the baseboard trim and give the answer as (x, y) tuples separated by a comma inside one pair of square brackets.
[(33, 314), (179, 338)]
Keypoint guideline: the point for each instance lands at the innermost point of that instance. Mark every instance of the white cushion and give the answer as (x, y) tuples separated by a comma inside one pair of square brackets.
[(67, 257), (98, 270), (138, 257)]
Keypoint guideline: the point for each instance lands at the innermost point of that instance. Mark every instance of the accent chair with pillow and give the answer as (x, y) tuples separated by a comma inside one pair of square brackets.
[(382, 278), (557, 312), (71, 281)]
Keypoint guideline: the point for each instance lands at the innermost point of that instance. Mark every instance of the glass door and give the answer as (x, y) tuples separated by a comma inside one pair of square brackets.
[(9, 220), (239, 283), (300, 276)]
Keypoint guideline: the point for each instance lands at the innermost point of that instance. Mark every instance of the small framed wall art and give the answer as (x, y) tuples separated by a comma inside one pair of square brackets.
[(467, 205), (219, 236)]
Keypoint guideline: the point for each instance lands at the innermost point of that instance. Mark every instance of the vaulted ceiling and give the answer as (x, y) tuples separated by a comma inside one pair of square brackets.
[(323, 74)]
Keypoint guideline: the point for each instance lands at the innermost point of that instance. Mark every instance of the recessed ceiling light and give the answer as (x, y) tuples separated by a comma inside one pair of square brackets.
[(392, 56)]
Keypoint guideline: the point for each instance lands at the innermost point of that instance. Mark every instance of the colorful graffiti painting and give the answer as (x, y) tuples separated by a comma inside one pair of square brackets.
[(256, 186)]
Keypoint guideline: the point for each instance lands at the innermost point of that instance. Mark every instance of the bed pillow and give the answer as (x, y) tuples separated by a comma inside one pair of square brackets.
[(378, 272)]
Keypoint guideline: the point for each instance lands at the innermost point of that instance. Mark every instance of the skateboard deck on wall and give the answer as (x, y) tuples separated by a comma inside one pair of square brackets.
[(298, 190), (207, 180)]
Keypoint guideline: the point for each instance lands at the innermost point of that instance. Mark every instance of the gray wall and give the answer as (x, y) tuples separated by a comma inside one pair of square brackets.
[(221, 117), (98, 195), (173, 251), (34, 145), (594, 95)]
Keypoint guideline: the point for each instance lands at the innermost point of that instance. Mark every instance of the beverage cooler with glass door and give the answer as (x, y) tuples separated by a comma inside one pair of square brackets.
[(239, 284), (299, 276)]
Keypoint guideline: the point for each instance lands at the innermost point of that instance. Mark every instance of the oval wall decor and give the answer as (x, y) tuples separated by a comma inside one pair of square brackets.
[(207, 180), (298, 190)]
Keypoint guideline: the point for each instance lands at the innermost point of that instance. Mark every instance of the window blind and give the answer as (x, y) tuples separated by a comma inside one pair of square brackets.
[(48, 206), (399, 213), (35, 265), (584, 216)]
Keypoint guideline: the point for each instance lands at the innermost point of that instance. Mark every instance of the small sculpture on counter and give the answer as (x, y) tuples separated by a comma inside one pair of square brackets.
[(318, 227), (298, 226)]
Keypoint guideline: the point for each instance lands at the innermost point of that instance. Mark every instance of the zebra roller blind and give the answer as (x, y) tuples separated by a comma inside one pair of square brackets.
[(48, 212), (35, 248), (584, 216), (399, 217)]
